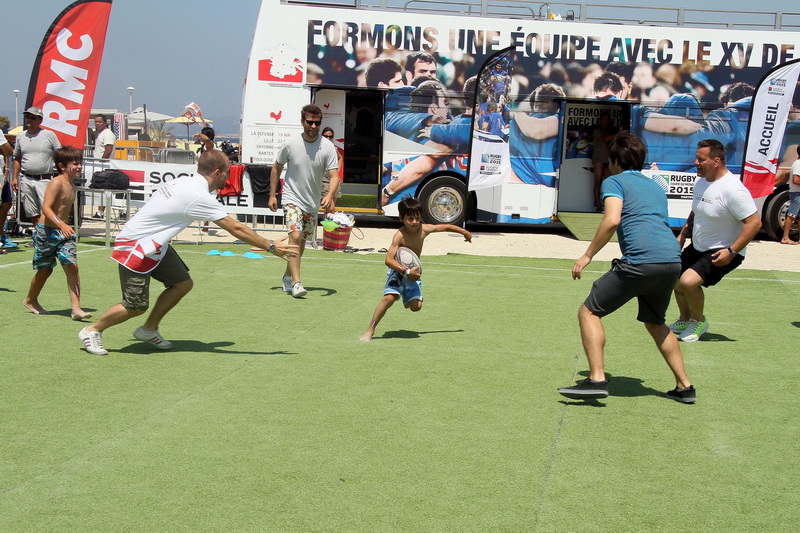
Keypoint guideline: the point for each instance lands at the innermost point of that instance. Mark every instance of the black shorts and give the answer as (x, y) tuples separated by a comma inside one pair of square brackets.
[(7, 194), (651, 284), (701, 262), (136, 286)]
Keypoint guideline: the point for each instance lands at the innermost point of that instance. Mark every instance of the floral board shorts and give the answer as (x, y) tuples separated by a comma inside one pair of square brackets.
[(296, 219)]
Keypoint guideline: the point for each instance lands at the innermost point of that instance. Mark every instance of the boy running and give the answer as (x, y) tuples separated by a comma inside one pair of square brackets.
[(401, 281), (54, 238)]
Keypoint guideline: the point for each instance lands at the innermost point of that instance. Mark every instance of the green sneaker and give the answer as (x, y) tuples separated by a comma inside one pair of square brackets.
[(694, 331), (678, 327)]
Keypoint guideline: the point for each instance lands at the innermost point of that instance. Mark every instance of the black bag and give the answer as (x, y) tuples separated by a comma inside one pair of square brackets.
[(110, 179)]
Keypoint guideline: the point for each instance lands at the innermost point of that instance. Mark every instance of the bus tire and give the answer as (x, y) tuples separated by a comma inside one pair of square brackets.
[(775, 215), (444, 201)]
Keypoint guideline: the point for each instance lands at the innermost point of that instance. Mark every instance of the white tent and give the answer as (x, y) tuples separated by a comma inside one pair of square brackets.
[(138, 116)]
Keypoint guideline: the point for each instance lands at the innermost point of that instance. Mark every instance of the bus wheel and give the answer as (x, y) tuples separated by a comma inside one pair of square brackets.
[(444, 201), (776, 215)]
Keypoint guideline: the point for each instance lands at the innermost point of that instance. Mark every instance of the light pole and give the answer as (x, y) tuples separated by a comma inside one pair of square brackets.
[(16, 106), (130, 99)]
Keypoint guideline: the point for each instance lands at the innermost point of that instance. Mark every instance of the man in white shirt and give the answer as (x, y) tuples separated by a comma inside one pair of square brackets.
[(143, 251), (103, 147), (724, 219), (794, 200), (308, 158)]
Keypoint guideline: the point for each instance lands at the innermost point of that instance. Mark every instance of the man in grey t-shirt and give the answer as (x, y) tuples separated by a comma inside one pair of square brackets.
[(33, 163), (308, 158)]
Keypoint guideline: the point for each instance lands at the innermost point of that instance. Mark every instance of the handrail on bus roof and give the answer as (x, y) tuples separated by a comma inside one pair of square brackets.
[(582, 12)]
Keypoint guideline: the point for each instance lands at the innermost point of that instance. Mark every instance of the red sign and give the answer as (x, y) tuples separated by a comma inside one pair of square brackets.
[(66, 69), (267, 72)]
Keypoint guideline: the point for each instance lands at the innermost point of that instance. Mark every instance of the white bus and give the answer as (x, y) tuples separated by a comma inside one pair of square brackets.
[(487, 110)]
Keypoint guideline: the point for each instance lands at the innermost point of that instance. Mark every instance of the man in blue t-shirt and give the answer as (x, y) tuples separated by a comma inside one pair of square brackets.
[(636, 208), (533, 138)]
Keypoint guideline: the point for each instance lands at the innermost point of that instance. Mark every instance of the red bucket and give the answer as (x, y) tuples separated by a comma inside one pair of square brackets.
[(336, 239)]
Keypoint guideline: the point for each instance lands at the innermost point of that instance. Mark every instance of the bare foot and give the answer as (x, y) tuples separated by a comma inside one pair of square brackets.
[(366, 337), (80, 314), (34, 307), (788, 241)]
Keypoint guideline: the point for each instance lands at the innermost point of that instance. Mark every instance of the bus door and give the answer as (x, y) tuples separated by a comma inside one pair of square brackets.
[(356, 116), (582, 125)]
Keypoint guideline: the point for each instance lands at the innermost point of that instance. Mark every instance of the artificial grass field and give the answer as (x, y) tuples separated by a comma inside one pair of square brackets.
[(270, 415)]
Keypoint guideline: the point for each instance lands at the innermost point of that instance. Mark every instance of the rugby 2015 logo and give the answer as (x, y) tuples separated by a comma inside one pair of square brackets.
[(491, 159), (776, 86)]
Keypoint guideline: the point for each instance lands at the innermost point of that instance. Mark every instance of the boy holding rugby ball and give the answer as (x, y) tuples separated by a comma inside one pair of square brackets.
[(401, 280)]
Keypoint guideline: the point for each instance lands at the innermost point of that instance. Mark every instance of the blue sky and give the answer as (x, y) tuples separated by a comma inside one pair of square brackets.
[(175, 51)]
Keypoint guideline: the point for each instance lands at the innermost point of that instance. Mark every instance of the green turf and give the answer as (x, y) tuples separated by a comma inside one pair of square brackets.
[(363, 201), (270, 415)]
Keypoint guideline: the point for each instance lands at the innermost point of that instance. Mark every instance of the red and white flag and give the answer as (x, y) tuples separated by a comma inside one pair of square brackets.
[(192, 111), (772, 102), (65, 72)]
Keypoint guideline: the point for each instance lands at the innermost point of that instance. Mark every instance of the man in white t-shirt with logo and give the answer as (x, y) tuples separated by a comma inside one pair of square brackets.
[(724, 219), (103, 147), (143, 251), (308, 158), (794, 200)]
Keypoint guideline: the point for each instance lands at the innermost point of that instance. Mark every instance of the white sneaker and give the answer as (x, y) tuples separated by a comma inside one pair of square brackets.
[(287, 282), (152, 337), (92, 341), (694, 331), (298, 291)]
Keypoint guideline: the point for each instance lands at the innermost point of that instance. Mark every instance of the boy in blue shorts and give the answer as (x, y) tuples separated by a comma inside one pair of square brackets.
[(54, 238), (402, 281), (636, 207)]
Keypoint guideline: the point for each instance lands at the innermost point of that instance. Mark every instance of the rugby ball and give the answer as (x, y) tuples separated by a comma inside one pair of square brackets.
[(407, 258)]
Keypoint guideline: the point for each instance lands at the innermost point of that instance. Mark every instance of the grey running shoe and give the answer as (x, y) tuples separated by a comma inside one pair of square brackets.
[(93, 342), (152, 337), (287, 283), (687, 395), (694, 331), (586, 389), (679, 326)]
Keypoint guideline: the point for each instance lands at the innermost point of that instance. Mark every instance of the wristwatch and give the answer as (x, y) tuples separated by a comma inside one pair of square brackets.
[(271, 247), (731, 251)]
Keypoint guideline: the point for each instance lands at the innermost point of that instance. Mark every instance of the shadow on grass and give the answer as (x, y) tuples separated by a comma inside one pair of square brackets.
[(68, 313), (142, 348), (714, 337), (407, 334), (619, 386), (796, 324), (327, 292), (4, 289)]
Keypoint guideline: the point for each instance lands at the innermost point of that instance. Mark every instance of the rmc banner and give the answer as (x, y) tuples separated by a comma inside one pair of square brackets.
[(66, 69)]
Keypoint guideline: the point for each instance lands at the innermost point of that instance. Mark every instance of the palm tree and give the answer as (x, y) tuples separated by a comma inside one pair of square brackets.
[(158, 133)]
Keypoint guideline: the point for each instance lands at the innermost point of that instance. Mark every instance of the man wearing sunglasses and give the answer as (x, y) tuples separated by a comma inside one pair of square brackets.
[(307, 158)]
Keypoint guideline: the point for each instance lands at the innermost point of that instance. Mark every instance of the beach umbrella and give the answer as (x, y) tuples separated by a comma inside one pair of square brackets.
[(187, 120), (138, 116)]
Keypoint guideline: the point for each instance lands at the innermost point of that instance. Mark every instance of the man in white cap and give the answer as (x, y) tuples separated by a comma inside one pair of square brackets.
[(33, 163)]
